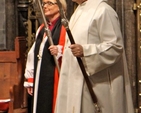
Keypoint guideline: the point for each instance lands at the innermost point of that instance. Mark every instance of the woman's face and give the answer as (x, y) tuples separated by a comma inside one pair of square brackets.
[(50, 8)]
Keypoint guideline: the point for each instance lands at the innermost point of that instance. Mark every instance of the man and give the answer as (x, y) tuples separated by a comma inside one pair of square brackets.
[(99, 43)]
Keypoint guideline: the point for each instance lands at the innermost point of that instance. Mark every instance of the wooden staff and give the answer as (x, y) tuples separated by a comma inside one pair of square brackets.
[(64, 21)]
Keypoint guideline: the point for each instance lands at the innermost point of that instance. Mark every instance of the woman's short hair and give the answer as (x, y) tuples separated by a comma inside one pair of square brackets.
[(64, 5)]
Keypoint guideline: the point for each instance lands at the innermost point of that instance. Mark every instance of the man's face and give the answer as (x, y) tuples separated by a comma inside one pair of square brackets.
[(78, 1)]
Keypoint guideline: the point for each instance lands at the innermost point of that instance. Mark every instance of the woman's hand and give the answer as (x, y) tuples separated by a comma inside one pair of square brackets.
[(53, 49), (30, 90)]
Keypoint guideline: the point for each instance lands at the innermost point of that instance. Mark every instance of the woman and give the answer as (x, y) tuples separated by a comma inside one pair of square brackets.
[(42, 68)]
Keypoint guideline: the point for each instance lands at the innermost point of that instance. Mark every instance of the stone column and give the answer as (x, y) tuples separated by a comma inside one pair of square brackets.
[(2, 25), (11, 13), (124, 9)]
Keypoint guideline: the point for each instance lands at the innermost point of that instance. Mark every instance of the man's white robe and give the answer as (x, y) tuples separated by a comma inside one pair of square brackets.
[(95, 26)]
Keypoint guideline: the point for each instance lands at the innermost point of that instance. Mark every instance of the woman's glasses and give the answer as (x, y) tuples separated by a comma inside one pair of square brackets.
[(48, 3)]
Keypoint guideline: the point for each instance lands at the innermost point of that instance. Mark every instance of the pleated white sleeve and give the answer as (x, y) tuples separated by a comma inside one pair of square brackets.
[(29, 70)]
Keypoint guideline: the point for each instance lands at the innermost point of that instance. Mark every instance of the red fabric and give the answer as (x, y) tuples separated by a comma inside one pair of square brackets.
[(30, 80), (56, 75), (52, 24), (56, 79), (4, 106), (62, 35)]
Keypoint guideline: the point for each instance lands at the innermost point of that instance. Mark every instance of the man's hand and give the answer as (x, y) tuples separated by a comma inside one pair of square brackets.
[(77, 50)]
